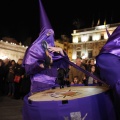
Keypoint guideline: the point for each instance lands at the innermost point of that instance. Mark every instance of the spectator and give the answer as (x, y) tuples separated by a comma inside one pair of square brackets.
[(90, 80), (19, 71), (75, 81), (1, 77), (75, 72), (10, 78), (6, 71), (25, 85)]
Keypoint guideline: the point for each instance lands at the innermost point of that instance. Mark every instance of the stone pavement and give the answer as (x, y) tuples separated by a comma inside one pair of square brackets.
[(10, 109)]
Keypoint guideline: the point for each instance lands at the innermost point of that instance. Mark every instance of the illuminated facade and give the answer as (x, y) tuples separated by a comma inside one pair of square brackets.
[(86, 43), (11, 50)]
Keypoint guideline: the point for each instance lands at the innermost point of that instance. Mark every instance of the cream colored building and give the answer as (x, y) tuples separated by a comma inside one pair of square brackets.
[(86, 43), (11, 50)]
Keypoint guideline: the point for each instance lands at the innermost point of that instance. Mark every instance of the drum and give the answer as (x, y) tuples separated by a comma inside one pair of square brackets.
[(68, 93), (70, 103)]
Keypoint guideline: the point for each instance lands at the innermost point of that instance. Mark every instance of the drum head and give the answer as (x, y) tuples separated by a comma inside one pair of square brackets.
[(68, 93)]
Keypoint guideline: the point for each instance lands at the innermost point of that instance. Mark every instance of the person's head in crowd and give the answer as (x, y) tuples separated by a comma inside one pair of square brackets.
[(92, 61), (78, 61), (75, 80), (1, 62), (92, 69), (13, 62), (6, 61), (20, 61)]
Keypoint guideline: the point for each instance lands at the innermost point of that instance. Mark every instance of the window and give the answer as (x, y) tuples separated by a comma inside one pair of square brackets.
[(102, 37), (79, 39), (90, 38), (79, 54), (90, 54)]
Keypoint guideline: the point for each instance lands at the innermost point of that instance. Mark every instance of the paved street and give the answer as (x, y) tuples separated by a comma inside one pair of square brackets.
[(10, 109)]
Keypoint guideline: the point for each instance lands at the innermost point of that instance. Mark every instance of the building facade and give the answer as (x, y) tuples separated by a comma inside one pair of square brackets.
[(87, 43), (11, 51)]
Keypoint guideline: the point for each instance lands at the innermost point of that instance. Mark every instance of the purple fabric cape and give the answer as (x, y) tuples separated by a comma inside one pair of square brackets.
[(42, 79), (35, 55), (108, 62)]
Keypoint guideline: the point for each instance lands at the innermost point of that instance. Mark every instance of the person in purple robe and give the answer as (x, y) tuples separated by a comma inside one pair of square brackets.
[(108, 62), (41, 61), (42, 58)]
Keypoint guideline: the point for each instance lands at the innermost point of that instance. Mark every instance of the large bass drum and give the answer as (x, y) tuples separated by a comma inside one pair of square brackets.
[(70, 103)]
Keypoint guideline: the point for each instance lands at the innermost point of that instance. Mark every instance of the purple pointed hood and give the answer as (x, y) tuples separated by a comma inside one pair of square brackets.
[(44, 21), (35, 52)]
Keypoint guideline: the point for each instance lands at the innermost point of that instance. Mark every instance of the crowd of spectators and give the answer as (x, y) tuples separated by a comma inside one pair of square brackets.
[(73, 76), (83, 79), (9, 70)]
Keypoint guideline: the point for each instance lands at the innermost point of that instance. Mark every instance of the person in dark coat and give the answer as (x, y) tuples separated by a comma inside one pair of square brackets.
[(20, 72), (6, 71), (25, 84), (10, 78), (1, 77)]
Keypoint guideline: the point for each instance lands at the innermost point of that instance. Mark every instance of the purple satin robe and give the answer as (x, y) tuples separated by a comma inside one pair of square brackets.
[(42, 78), (108, 62)]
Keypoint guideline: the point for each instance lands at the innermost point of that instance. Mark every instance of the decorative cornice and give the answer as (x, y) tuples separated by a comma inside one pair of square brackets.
[(12, 47)]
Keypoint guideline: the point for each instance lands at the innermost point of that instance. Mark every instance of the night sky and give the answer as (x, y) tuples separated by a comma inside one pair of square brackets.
[(20, 18)]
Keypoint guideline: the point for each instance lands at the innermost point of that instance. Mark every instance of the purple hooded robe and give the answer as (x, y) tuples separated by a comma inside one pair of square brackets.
[(43, 78), (108, 62)]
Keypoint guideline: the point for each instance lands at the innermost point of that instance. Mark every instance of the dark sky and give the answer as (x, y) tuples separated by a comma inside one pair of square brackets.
[(20, 18)]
